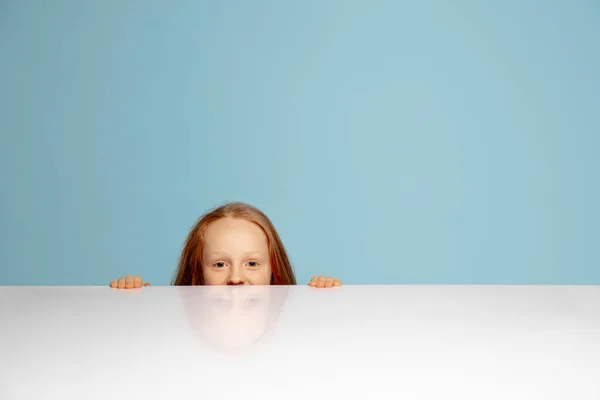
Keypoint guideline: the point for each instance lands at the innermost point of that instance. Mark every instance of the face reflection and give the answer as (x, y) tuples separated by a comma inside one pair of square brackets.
[(235, 252), (237, 318), (230, 318)]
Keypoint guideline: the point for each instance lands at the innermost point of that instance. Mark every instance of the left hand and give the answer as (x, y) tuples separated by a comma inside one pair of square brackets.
[(323, 282)]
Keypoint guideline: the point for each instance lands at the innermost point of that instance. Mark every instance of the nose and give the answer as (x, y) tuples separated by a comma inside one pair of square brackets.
[(235, 277)]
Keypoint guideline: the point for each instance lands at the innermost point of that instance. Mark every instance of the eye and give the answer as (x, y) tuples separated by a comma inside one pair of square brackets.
[(253, 264), (252, 301), (219, 264), (220, 301)]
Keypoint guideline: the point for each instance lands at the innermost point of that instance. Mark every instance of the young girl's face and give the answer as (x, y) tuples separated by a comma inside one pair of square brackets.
[(235, 253)]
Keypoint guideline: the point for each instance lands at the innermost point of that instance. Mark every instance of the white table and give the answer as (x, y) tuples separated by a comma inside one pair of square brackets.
[(375, 342)]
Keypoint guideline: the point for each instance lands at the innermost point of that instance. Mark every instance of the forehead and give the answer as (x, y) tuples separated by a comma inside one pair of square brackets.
[(229, 234)]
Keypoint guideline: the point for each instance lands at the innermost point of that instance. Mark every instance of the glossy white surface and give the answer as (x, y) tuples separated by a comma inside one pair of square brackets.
[(377, 342)]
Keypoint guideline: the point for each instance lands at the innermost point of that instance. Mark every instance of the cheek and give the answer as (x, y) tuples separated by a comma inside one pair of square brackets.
[(263, 277), (211, 277)]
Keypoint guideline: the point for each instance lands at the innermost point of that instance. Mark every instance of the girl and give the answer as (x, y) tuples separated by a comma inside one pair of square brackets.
[(235, 244)]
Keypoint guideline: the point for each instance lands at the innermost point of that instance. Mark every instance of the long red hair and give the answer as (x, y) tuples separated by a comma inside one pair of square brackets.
[(189, 272)]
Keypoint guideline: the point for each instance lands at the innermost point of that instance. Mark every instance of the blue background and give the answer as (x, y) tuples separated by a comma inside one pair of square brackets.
[(390, 142)]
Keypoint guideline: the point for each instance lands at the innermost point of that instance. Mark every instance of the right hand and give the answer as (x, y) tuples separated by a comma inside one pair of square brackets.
[(129, 282)]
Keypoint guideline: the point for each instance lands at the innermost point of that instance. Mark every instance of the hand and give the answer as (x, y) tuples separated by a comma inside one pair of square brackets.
[(322, 282), (129, 282)]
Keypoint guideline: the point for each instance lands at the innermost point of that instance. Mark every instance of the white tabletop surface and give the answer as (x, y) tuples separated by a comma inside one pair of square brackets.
[(375, 342)]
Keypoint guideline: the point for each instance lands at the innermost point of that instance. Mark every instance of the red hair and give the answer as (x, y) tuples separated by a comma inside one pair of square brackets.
[(189, 272)]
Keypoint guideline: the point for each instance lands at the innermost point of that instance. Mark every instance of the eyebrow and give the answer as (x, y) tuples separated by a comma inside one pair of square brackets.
[(246, 254)]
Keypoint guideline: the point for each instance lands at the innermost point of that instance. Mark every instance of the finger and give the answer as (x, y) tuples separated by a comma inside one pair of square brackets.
[(129, 282), (121, 283), (321, 281), (313, 281), (147, 284), (329, 282), (137, 282), (337, 282), (113, 284)]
